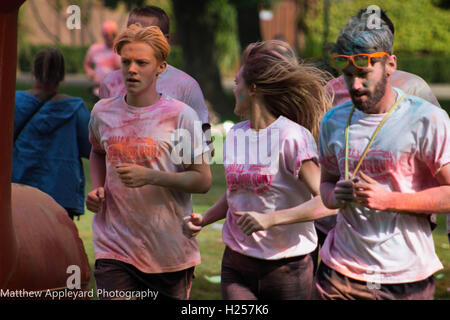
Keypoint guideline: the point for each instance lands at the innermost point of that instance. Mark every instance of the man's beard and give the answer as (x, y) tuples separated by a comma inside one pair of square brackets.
[(373, 98)]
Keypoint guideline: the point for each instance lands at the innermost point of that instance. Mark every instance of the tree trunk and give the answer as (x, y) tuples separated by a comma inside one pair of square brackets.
[(196, 33), (248, 23)]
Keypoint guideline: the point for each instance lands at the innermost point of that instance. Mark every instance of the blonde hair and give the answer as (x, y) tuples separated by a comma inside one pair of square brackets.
[(289, 88), (150, 35)]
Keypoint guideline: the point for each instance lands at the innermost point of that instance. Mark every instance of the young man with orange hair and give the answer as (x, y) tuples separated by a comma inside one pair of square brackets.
[(172, 82), (141, 194)]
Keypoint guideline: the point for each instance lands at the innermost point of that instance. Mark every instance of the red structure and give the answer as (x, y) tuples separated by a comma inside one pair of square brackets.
[(38, 241)]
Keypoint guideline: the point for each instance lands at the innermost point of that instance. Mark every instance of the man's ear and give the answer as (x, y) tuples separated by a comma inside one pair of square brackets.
[(391, 65), (162, 66)]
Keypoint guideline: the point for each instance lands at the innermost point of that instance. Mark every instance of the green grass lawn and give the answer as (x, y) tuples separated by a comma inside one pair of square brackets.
[(205, 285)]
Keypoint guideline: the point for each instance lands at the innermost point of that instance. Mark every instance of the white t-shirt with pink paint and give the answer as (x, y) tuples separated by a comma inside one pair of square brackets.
[(172, 82), (261, 169), (412, 145), (143, 226), (104, 59), (408, 82)]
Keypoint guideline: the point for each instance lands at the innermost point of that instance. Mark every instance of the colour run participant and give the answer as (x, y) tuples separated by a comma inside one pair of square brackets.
[(271, 200), (385, 165), (172, 82), (51, 135), (408, 82), (101, 59), (141, 189)]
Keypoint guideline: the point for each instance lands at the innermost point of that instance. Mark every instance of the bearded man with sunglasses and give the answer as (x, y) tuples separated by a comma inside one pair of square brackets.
[(385, 164), (408, 82)]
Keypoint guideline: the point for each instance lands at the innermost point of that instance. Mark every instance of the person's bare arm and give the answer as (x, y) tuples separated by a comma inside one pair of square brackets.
[(310, 210), (96, 197), (195, 179), (433, 200), (195, 222)]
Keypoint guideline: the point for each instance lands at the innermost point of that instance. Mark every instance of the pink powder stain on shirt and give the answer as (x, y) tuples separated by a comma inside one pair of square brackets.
[(141, 226), (132, 150), (254, 186), (399, 245), (250, 181)]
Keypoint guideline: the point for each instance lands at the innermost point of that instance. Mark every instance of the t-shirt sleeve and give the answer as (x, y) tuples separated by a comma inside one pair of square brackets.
[(103, 91), (424, 92), (299, 147), (327, 158), (434, 142), (94, 135), (190, 134), (195, 99)]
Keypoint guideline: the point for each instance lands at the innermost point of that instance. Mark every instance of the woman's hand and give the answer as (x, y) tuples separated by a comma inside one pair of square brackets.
[(251, 221), (192, 225)]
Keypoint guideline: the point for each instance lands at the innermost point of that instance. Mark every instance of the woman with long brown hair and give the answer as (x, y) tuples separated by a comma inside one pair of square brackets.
[(273, 177)]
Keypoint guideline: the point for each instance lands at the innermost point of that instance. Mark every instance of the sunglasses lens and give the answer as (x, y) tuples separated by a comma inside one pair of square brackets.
[(361, 61), (340, 62)]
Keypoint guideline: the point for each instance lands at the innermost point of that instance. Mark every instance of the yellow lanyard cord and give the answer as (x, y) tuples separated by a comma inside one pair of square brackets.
[(347, 129)]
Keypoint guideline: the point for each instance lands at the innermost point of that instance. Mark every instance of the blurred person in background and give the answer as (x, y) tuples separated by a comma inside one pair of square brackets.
[(101, 59), (51, 135)]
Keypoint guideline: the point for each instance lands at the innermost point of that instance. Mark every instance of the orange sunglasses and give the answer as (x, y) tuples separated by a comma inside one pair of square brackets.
[(360, 60)]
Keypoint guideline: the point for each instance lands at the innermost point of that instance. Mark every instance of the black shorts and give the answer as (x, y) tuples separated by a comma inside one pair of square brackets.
[(119, 280)]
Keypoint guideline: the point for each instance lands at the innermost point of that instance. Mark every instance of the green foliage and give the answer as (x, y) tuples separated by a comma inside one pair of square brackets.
[(422, 33), (419, 26), (226, 42), (243, 3), (73, 56), (175, 57), (433, 68), (129, 3), (442, 3)]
